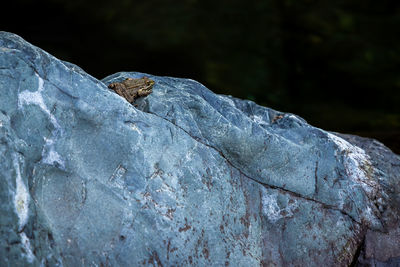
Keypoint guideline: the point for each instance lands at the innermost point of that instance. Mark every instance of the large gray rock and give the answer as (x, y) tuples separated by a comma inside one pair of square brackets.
[(187, 177)]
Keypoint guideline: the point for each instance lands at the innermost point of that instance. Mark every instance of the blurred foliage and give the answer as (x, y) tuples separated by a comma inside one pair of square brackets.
[(336, 63)]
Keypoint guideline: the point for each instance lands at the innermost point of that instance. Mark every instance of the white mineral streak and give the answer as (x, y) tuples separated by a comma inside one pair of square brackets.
[(258, 119), (271, 208), (21, 198), (134, 127), (49, 155), (52, 155), (27, 97), (27, 246), (357, 165)]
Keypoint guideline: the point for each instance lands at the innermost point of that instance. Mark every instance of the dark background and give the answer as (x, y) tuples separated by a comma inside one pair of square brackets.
[(335, 63)]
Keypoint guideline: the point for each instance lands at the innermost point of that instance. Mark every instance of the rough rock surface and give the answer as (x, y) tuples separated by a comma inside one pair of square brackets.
[(186, 178)]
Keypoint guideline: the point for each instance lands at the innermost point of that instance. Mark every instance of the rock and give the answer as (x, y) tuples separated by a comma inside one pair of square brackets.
[(381, 248), (187, 177)]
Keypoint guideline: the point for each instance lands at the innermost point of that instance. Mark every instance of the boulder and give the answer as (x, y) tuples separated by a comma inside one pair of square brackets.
[(182, 177)]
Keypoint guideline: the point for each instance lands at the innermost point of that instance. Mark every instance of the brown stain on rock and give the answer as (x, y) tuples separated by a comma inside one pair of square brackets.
[(185, 228), (154, 258)]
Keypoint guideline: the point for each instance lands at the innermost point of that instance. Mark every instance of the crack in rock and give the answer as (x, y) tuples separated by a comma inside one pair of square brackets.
[(283, 190)]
